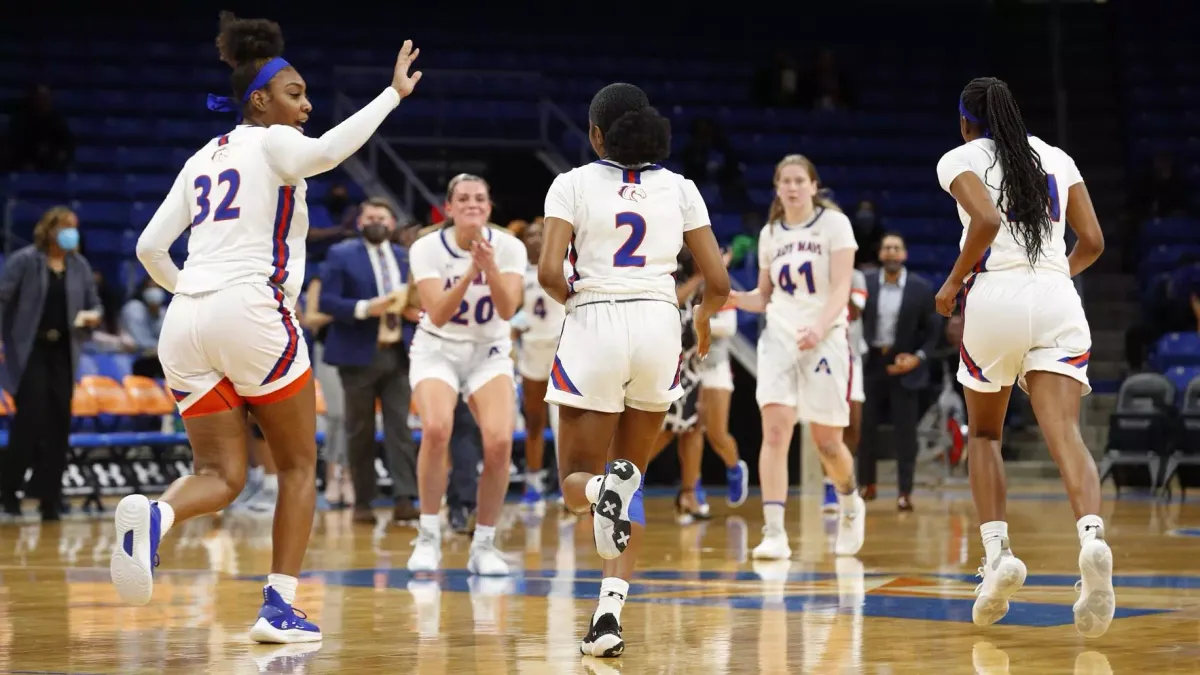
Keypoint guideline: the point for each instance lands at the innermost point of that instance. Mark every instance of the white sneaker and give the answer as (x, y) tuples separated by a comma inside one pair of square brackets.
[(427, 553), (485, 560), (1001, 580), (852, 527), (610, 518), (1097, 601), (774, 545)]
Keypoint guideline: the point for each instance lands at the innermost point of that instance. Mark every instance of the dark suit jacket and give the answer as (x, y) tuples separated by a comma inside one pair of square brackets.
[(22, 297), (918, 327), (347, 277)]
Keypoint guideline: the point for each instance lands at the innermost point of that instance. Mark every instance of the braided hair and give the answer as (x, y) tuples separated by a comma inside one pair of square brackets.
[(1024, 187)]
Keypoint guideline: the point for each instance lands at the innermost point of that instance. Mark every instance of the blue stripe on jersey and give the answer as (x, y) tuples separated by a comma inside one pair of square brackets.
[(446, 242), (280, 251)]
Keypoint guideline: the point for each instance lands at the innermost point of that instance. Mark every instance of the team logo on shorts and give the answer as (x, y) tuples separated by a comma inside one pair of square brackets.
[(823, 367), (632, 193)]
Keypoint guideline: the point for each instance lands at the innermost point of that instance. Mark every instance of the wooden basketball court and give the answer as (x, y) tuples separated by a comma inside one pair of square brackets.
[(699, 606)]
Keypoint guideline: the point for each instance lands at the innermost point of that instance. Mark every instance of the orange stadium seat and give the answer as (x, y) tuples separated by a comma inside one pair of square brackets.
[(110, 397), (147, 397), (7, 406), (83, 404)]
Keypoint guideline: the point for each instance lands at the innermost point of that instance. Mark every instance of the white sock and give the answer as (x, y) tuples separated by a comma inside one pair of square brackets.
[(484, 534), (270, 482), (848, 502), (285, 586), (828, 482), (431, 524), (166, 518), (533, 479), (994, 534), (593, 489), (256, 474), (1090, 527), (773, 515), (613, 592)]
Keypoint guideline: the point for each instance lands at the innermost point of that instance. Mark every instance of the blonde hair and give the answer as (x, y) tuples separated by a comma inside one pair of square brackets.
[(820, 199), (462, 178), (43, 232)]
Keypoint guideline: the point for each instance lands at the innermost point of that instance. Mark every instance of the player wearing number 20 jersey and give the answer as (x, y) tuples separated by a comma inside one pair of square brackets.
[(475, 345), (623, 347)]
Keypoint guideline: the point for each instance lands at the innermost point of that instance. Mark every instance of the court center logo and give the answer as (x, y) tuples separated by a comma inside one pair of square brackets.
[(631, 193)]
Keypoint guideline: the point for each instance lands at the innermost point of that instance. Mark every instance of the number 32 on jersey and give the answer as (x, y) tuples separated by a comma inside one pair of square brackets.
[(232, 180)]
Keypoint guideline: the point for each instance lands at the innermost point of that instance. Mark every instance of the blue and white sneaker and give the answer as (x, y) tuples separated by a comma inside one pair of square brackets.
[(703, 512), (138, 525), (280, 623), (830, 502), (739, 483), (532, 500)]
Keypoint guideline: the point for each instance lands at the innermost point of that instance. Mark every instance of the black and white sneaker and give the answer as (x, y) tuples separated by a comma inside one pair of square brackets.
[(610, 519), (603, 639)]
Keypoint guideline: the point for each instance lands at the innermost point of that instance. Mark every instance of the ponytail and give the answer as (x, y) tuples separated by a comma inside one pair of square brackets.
[(1024, 186)]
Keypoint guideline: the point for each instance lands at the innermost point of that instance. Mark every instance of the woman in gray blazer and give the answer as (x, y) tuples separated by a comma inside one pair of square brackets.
[(49, 303)]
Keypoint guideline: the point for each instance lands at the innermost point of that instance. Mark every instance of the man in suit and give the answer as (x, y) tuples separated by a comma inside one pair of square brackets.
[(363, 287), (901, 327)]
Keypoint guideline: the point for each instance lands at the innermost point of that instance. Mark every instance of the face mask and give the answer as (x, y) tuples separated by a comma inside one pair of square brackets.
[(336, 203), (154, 296), (375, 233), (68, 239)]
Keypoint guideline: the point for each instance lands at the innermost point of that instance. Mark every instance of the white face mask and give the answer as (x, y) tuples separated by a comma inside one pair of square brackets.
[(154, 296)]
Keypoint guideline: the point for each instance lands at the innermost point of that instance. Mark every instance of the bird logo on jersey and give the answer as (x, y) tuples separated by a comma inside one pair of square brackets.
[(632, 193)]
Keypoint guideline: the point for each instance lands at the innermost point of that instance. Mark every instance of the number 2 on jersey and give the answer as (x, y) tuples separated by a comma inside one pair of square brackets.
[(225, 210), (627, 256), (785, 278)]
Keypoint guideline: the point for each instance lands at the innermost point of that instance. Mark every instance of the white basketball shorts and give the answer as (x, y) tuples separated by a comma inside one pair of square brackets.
[(465, 366), (1015, 321), (241, 344), (535, 358), (817, 382), (617, 351), (717, 375), (856, 379)]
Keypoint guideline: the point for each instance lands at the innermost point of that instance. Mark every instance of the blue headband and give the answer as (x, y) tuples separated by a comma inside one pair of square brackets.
[(962, 110), (229, 104)]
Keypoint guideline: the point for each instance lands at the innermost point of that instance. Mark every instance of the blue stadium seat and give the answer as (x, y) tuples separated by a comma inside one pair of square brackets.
[(115, 366), (1182, 376), (1178, 349)]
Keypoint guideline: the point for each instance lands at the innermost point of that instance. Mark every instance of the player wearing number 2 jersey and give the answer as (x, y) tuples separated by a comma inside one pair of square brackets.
[(230, 341), (469, 278), (621, 223), (1023, 322), (806, 265)]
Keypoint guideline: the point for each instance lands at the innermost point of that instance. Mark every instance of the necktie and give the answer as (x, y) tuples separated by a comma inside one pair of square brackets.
[(385, 273)]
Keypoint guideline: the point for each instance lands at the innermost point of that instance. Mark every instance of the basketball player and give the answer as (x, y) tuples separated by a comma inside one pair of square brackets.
[(716, 392), (230, 342), (623, 219), (806, 264), (469, 279), (540, 325), (1023, 321), (858, 347)]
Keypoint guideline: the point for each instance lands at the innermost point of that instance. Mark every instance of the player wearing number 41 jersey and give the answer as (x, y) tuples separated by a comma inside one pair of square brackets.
[(230, 342), (1023, 322), (469, 278)]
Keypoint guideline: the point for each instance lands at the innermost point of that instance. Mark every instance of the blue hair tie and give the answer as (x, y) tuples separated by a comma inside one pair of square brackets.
[(230, 104)]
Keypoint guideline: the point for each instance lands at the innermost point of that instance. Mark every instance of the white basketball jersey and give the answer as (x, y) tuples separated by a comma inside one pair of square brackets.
[(437, 256), (543, 314), (1006, 252), (858, 295), (798, 259), (629, 224), (248, 224)]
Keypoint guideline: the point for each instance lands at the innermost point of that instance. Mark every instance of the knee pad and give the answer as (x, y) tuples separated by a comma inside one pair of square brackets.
[(637, 510)]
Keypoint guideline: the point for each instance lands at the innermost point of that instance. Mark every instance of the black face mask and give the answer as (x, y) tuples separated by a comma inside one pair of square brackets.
[(376, 233), (336, 204)]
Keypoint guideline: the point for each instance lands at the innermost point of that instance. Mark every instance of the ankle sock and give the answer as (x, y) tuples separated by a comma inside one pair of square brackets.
[(995, 536), (431, 524), (285, 586), (613, 592), (1089, 527), (166, 518), (773, 515)]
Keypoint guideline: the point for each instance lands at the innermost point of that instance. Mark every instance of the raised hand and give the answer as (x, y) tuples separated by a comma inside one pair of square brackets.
[(402, 82)]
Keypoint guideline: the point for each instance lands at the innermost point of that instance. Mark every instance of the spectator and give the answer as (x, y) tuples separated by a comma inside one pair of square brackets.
[(868, 232), (744, 246), (39, 138), (342, 215), (141, 319), (362, 284), (830, 85), (902, 329), (1161, 191), (48, 302), (778, 84), (112, 298), (339, 489), (709, 159)]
